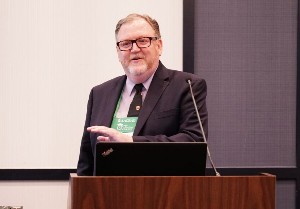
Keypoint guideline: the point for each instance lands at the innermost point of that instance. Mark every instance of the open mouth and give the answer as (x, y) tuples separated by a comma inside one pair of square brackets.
[(136, 58)]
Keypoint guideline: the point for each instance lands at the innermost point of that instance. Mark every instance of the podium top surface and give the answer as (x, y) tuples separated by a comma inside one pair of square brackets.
[(74, 175)]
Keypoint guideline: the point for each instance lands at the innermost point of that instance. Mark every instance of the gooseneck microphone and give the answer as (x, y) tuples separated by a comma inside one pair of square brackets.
[(202, 130)]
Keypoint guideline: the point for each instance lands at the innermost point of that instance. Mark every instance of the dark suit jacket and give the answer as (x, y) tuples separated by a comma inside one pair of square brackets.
[(167, 114)]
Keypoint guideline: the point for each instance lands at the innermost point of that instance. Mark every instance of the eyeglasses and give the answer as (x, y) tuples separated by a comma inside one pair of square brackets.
[(140, 42)]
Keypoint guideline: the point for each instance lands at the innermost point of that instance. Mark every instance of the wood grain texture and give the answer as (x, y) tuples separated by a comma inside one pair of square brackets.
[(236, 192)]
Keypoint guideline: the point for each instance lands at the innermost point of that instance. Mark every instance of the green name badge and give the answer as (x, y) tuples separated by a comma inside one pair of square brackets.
[(124, 125)]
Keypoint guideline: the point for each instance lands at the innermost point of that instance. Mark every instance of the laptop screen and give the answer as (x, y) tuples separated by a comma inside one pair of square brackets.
[(150, 159)]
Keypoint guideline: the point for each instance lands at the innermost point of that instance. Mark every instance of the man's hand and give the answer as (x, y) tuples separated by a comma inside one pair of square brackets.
[(109, 134)]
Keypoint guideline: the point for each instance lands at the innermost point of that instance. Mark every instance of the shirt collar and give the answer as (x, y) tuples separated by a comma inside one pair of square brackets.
[(130, 85)]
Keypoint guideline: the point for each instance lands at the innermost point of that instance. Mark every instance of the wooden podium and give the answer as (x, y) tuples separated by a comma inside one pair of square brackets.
[(184, 192)]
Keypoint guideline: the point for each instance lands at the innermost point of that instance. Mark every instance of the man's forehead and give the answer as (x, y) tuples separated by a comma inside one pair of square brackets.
[(136, 23)]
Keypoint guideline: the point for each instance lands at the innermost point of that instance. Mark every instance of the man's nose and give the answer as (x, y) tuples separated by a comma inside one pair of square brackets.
[(135, 47)]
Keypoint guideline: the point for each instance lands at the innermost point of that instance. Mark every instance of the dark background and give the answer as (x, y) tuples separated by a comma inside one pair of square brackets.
[(247, 51)]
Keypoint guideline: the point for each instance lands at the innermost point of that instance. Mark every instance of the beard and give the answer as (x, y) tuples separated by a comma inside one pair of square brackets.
[(137, 70)]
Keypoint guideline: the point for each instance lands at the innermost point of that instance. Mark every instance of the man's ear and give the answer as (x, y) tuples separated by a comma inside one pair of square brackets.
[(160, 46)]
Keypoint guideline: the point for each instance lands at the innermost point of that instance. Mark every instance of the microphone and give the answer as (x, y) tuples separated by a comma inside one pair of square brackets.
[(202, 130)]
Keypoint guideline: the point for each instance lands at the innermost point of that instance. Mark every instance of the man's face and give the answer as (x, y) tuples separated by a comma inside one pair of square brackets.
[(139, 63)]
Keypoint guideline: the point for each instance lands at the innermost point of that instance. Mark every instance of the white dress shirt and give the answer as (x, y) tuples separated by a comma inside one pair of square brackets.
[(128, 94)]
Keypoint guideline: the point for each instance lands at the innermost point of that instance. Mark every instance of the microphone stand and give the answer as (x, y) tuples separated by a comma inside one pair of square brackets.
[(202, 131)]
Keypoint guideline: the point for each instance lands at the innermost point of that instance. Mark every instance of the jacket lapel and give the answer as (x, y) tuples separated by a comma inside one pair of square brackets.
[(158, 85), (112, 99)]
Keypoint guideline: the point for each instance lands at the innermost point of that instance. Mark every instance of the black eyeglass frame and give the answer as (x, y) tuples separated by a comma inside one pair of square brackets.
[(135, 41)]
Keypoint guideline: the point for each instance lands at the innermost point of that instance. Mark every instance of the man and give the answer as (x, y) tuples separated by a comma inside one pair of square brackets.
[(164, 111)]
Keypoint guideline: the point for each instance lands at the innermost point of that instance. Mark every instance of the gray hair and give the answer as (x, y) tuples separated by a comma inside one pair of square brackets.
[(152, 22)]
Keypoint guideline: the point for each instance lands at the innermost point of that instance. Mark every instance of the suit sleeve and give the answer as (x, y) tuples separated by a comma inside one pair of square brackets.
[(186, 123), (85, 164)]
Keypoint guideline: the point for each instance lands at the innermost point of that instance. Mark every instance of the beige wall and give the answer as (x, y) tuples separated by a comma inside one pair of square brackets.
[(52, 52), (34, 194)]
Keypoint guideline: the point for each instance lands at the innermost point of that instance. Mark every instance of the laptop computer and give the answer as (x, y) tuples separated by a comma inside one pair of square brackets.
[(150, 159)]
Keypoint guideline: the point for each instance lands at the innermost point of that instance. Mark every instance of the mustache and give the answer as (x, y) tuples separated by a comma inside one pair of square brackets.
[(135, 57)]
